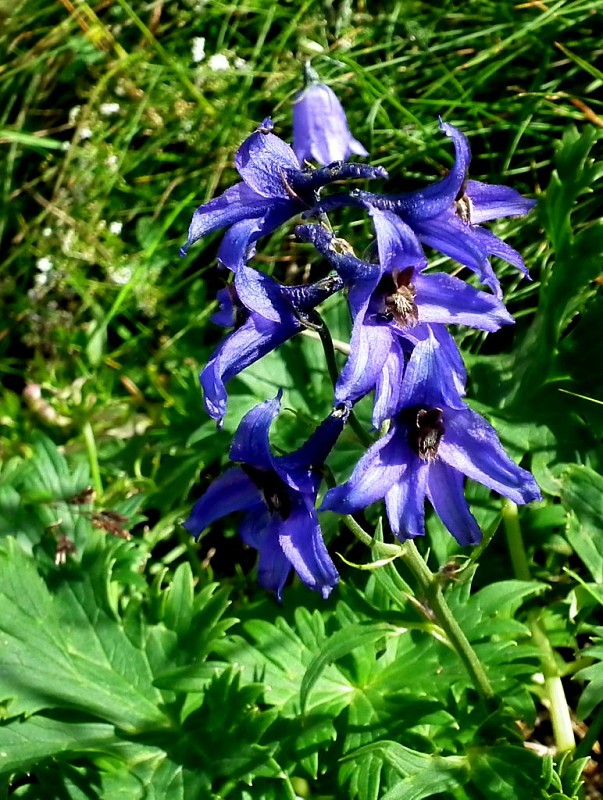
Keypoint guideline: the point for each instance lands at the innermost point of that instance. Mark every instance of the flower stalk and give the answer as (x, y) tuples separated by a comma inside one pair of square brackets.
[(431, 588), (558, 707)]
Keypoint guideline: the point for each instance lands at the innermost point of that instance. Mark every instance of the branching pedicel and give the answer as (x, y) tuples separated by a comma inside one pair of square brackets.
[(400, 347)]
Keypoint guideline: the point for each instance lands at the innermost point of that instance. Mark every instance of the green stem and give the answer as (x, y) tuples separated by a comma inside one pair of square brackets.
[(327, 346), (432, 590), (380, 548), (553, 686), (92, 457)]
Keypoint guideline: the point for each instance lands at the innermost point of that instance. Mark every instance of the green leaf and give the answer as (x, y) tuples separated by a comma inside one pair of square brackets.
[(63, 652), (340, 644), (423, 775), (26, 742), (582, 496)]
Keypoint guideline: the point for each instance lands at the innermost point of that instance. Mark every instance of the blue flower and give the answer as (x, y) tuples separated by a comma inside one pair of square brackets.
[(274, 189), (278, 495), (434, 440), (254, 335), (393, 305), (448, 214), (320, 127)]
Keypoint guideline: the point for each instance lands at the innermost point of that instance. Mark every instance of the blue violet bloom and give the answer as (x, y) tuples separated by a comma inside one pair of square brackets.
[(434, 440), (393, 303), (278, 496), (274, 188), (447, 215), (320, 127), (255, 335)]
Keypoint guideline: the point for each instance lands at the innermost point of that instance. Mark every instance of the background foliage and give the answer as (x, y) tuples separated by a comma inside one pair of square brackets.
[(137, 664)]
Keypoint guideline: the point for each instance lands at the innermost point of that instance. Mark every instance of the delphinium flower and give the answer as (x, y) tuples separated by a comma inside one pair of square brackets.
[(320, 127), (434, 440), (393, 305), (274, 188), (255, 335), (278, 496), (448, 214)]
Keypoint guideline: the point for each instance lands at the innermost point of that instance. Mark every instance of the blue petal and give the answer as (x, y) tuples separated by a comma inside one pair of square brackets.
[(264, 161), (226, 314), (370, 345), (444, 299), (236, 203), (405, 500), (471, 445), (398, 245), (428, 380), (448, 354), (380, 467), (320, 127), (262, 294), (496, 247), (493, 202), (259, 530), (243, 347), (301, 470), (302, 543), (235, 249), (439, 197), (250, 444), (448, 234), (232, 491), (387, 390), (445, 492)]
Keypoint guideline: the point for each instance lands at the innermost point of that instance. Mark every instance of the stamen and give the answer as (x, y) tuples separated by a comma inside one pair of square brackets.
[(426, 431)]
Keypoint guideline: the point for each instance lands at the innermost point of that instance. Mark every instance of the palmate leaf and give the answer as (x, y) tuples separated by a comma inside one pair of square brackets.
[(582, 496), (94, 684), (64, 654), (501, 771)]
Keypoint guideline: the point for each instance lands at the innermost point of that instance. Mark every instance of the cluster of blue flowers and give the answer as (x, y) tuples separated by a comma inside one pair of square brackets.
[(400, 347)]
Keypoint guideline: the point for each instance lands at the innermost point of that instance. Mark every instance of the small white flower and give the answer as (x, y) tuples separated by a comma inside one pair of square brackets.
[(46, 232), (198, 49), (112, 161), (108, 109), (85, 132), (218, 63), (115, 227), (74, 114), (121, 275), (44, 264), (65, 146), (41, 279), (240, 63)]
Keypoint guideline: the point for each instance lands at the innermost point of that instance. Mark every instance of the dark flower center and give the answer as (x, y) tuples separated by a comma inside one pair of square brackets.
[(274, 490), (399, 298), (425, 430)]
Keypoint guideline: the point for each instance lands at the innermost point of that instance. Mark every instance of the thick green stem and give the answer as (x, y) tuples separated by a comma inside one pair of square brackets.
[(559, 710), (432, 590)]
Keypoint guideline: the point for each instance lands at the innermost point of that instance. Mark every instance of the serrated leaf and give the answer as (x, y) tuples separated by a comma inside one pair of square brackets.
[(340, 644), (58, 653), (25, 742), (582, 496)]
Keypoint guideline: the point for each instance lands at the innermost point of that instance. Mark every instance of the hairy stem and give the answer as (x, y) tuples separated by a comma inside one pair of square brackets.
[(432, 590), (555, 693)]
